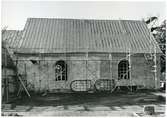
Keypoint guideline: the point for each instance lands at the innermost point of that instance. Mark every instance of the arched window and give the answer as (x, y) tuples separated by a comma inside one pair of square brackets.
[(123, 70), (60, 70)]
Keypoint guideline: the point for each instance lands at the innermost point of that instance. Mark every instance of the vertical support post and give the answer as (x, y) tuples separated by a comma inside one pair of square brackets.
[(39, 73), (66, 66), (110, 60), (25, 74), (155, 67), (7, 89), (65, 69), (130, 76), (48, 75), (153, 56), (86, 65), (86, 68), (110, 66), (17, 72), (6, 78)]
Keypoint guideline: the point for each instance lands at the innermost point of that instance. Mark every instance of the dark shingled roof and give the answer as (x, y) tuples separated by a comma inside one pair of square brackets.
[(74, 35)]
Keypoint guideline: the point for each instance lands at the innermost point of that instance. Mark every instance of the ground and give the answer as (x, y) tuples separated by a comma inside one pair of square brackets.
[(84, 104)]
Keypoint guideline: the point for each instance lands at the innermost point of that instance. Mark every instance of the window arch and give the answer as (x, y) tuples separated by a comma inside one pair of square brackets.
[(60, 70), (123, 69)]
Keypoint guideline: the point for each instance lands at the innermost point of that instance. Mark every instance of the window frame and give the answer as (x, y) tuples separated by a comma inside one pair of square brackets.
[(123, 70), (62, 75)]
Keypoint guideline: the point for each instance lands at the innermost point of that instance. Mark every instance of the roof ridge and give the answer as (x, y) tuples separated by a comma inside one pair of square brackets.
[(84, 19), (14, 30)]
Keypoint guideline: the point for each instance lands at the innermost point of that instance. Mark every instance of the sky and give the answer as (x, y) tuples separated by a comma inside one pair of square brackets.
[(15, 13)]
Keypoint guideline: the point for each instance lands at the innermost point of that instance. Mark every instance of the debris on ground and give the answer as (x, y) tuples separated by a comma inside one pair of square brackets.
[(72, 104), (10, 114), (149, 110)]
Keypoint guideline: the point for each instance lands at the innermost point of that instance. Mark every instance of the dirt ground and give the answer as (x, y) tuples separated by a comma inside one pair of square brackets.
[(77, 104)]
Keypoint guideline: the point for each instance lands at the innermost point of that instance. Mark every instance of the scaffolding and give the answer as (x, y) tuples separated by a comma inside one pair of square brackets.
[(128, 56), (152, 56), (15, 78)]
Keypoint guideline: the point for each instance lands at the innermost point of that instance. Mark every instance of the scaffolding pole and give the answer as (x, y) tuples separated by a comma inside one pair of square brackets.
[(130, 74), (110, 62), (153, 56), (110, 59), (155, 67), (6, 78), (86, 65)]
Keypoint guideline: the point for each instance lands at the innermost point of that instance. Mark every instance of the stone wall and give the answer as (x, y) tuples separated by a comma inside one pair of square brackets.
[(41, 75)]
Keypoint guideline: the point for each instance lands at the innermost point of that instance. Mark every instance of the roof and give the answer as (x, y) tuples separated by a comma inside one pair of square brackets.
[(11, 37), (7, 38), (46, 35)]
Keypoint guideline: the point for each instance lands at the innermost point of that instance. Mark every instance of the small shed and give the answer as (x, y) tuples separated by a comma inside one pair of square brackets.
[(86, 55)]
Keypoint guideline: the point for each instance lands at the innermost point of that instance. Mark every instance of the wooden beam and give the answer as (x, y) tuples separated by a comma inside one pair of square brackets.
[(24, 86)]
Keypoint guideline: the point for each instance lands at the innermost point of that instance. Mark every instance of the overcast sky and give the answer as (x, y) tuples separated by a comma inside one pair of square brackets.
[(14, 14)]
